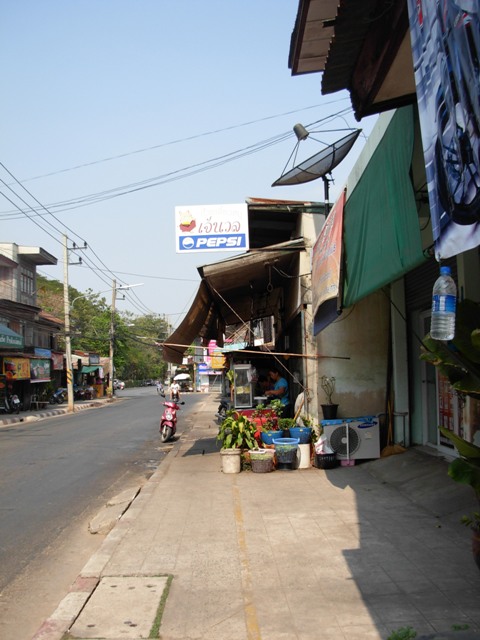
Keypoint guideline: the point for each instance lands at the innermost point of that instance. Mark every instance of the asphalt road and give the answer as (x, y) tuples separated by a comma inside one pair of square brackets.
[(56, 474)]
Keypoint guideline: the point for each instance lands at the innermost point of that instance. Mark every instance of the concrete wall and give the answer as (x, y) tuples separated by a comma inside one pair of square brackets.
[(355, 352)]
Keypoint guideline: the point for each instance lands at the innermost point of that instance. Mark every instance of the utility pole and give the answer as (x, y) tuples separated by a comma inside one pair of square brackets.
[(111, 390), (68, 344)]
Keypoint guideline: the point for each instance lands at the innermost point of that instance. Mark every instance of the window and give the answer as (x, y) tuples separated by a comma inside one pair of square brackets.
[(27, 277)]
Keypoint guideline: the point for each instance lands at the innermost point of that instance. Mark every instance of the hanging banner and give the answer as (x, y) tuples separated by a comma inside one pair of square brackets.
[(213, 227), (16, 368), (326, 267), (445, 38)]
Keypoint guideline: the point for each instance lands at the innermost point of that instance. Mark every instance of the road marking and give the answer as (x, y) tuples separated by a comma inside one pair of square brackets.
[(253, 629)]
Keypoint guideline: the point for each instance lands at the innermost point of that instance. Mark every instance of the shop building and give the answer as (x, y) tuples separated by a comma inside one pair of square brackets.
[(412, 200), (29, 354)]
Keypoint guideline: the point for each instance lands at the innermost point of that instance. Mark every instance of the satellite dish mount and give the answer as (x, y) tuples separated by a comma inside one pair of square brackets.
[(319, 165)]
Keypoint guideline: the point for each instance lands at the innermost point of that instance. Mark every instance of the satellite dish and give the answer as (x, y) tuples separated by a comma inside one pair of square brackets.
[(321, 163)]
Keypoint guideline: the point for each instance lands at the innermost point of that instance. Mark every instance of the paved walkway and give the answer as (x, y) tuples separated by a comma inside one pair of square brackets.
[(351, 553)]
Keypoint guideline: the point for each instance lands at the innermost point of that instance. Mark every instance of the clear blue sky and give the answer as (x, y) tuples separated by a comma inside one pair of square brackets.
[(106, 94)]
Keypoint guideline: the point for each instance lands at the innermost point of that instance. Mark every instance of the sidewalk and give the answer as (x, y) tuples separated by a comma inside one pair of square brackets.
[(350, 553)]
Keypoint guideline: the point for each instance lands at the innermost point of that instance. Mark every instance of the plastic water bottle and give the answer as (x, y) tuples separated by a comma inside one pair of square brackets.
[(444, 304)]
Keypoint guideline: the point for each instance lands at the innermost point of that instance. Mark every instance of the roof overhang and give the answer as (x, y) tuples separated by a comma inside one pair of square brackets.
[(245, 287), (37, 255), (363, 47), (232, 291)]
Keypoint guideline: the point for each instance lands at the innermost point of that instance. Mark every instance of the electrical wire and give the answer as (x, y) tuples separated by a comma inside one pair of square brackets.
[(180, 140), (206, 165)]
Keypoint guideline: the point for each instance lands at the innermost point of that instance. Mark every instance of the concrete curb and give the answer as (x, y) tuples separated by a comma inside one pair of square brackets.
[(7, 421)]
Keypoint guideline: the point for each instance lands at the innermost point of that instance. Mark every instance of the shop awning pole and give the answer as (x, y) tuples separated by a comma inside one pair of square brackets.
[(264, 353)]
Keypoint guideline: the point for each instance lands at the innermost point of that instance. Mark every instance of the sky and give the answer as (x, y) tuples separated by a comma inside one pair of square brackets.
[(113, 112)]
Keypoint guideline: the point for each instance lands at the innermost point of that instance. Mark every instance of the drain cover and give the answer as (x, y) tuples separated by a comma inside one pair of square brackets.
[(120, 608)]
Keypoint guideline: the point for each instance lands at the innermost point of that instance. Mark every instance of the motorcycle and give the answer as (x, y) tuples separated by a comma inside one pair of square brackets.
[(15, 403), (223, 407), (168, 421), (59, 396), (11, 404)]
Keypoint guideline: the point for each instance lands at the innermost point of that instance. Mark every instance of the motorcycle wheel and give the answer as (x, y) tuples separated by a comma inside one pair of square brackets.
[(60, 399), (165, 433)]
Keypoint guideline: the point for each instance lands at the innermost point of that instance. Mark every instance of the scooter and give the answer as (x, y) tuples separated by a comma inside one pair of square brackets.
[(223, 407), (59, 396), (168, 421)]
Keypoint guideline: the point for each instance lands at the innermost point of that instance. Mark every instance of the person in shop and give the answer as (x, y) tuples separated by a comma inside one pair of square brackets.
[(279, 391), (263, 384)]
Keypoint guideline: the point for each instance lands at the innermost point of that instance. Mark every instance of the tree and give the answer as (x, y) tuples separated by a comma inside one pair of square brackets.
[(137, 348)]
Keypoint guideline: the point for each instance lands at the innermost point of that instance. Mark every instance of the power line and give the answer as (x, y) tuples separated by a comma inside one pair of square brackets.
[(179, 140)]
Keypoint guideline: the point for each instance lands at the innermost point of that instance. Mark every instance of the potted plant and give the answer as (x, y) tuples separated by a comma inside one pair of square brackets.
[(302, 431), (267, 422), (262, 460), (236, 433), (330, 409)]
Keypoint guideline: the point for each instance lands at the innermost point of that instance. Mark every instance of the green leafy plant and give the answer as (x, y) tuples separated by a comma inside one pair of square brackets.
[(266, 418), (285, 423), (459, 361), (237, 432), (403, 633)]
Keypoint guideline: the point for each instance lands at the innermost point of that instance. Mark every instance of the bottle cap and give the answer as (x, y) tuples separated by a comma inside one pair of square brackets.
[(445, 271)]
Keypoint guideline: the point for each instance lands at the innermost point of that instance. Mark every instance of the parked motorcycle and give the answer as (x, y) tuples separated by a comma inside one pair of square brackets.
[(59, 396), (168, 421), (223, 407), (11, 404), (15, 403)]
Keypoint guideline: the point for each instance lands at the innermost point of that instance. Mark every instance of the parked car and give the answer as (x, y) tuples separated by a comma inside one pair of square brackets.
[(118, 384)]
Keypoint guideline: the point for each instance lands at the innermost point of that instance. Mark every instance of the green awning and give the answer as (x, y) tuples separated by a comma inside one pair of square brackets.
[(381, 227), (90, 368), (9, 338)]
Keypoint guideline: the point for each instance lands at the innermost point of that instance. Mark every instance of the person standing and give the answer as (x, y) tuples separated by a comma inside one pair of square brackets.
[(279, 391)]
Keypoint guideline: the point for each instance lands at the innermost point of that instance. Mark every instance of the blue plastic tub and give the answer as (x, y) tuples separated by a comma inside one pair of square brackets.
[(304, 434), (281, 442)]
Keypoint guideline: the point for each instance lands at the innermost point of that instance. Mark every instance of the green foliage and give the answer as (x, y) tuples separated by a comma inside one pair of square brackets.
[(403, 633), (237, 432), (286, 423), (137, 346), (459, 359)]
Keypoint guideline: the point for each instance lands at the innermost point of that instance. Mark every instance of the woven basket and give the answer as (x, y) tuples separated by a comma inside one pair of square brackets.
[(262, 466)]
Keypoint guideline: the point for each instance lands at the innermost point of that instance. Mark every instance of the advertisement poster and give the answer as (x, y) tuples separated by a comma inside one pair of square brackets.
[(445, 36), (16, 368), (39, 370), (57, 360), (214, 227)]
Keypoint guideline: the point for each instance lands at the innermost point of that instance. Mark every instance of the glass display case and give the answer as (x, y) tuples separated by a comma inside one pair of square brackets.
[(243, 388)]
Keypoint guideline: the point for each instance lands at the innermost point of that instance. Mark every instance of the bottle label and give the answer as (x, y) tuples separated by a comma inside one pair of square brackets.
[(444, 304)]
